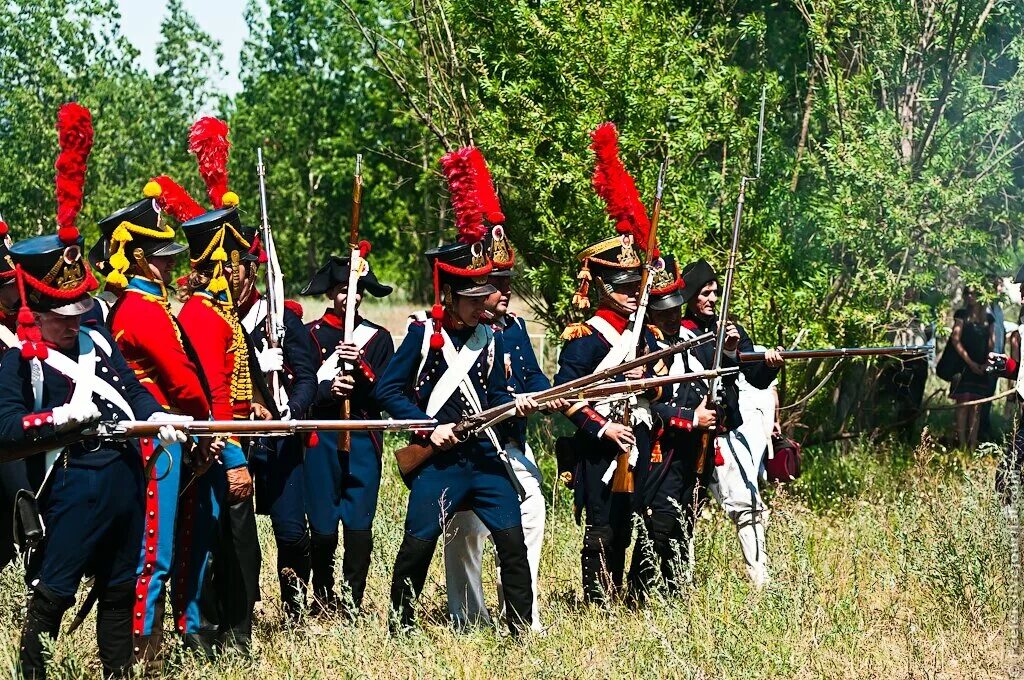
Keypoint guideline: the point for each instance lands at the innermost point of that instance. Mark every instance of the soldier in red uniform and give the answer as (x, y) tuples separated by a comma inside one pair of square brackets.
[(209, 318), (157, 351)]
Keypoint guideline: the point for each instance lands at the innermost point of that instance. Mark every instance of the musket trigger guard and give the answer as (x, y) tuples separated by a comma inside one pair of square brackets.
[(151, 463)]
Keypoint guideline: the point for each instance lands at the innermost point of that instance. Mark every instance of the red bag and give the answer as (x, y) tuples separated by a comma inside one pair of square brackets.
[(784, 465)]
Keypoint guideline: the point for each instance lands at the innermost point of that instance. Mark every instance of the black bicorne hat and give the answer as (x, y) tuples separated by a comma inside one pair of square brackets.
[(667, 287), (144, 223), (335, 273), (695, 276), (58, 279)]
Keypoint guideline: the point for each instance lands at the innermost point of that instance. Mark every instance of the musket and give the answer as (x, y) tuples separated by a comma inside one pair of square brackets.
[(354, 263), (415, 454), (840, 352), (622, 481), (626, 388), (134, 429), (715, 396), (275, 284)]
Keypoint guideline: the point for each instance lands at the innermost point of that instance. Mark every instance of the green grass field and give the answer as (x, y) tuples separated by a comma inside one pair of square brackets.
[(887, 564)]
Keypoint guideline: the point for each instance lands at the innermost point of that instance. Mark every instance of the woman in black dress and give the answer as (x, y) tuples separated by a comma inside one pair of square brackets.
[(973, 338)]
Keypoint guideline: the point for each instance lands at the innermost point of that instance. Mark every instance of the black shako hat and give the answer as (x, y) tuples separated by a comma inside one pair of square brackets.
[(144, 223), (463, 268), (335, 272), (217, 228), (667, 286), (695, 276), (64, 280)]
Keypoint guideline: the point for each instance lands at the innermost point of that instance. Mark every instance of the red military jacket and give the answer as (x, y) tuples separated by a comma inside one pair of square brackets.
[(211, 324), (150, 340)]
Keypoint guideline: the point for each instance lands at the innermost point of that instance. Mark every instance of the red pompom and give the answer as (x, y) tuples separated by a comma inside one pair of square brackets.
[(364, 248), (294, 306), (436, 341), (437, 313), (26, 317), (68, 235), (208, 140), (175, 200), (487, 195), (458, 172), (614, 184), (75, 135), (4, 229), (312, 439)]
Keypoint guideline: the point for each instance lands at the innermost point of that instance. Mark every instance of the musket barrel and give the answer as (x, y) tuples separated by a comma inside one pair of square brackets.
[(838, 352), (142, 428)]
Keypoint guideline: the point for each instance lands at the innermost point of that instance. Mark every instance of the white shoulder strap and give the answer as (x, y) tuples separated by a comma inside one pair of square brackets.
[(620, 343)]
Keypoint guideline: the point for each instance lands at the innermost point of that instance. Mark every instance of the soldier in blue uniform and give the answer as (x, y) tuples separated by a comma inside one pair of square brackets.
[(673, 487), (447, 374), (276, 462), (614, 265), (92, 503), (465, 537), (342, 486)]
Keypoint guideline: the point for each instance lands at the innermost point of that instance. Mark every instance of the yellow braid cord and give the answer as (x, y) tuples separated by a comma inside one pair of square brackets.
[(121, 236), (215, 253), (241, 379)]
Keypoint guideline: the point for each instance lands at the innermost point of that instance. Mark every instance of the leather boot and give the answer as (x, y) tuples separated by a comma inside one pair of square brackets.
[(114, 629), (510, 545), (355, 564), (293, 565), (411, 567), (147, 647), (41, 619), (203, 643), (322, 548)]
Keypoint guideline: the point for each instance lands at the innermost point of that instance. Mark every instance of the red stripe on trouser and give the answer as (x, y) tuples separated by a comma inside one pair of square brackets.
[(151, 531), (183, 567)]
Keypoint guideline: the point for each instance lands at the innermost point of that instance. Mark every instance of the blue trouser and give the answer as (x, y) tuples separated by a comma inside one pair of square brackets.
[(93, 519), (342, 487), (276, 465), (197, 533), (468, 476), (163, 484)]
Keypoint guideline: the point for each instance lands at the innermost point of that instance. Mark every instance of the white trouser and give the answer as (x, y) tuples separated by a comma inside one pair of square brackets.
[(735, 488), (464, 548)]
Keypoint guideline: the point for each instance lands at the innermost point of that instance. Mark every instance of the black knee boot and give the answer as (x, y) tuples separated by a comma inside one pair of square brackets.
[(322, 549), (355, 564), (411, 567), (515, 578), (293, 565), (597, 583), (114, 629), (42, 619), (645, 569)]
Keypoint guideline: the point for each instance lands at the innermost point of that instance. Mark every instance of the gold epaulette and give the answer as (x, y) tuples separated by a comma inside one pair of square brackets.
[(656, 331), (576, 330)]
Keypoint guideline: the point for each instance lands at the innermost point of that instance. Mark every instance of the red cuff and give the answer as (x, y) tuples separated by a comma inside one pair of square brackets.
[(367, 370), (681, 423), (34, 420)]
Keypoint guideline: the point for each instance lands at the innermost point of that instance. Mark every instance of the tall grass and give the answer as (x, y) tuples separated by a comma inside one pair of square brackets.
[(887, 563)]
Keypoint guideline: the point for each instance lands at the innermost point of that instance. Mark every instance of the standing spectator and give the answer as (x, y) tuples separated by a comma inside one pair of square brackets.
[(973, 338), (995, 309)]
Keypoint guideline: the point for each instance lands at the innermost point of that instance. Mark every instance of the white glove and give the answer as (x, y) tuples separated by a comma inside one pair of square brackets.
[(270, 359), (75, 414), (285, 412), (168, 434)]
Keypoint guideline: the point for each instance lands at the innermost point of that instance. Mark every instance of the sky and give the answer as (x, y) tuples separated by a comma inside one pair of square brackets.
[(222, 19)]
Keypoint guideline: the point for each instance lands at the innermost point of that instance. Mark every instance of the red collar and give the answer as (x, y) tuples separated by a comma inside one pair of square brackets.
[(617, 321), (332, 319), (690, 325)]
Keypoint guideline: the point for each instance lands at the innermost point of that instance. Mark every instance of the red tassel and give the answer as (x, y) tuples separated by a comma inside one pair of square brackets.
[(75, 135), (719, 459), (613, 183), (436, 313), (465, 198), (208, 140), (312, 439), (364, 249), (436, 340), (488, 196), (175, 200)]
